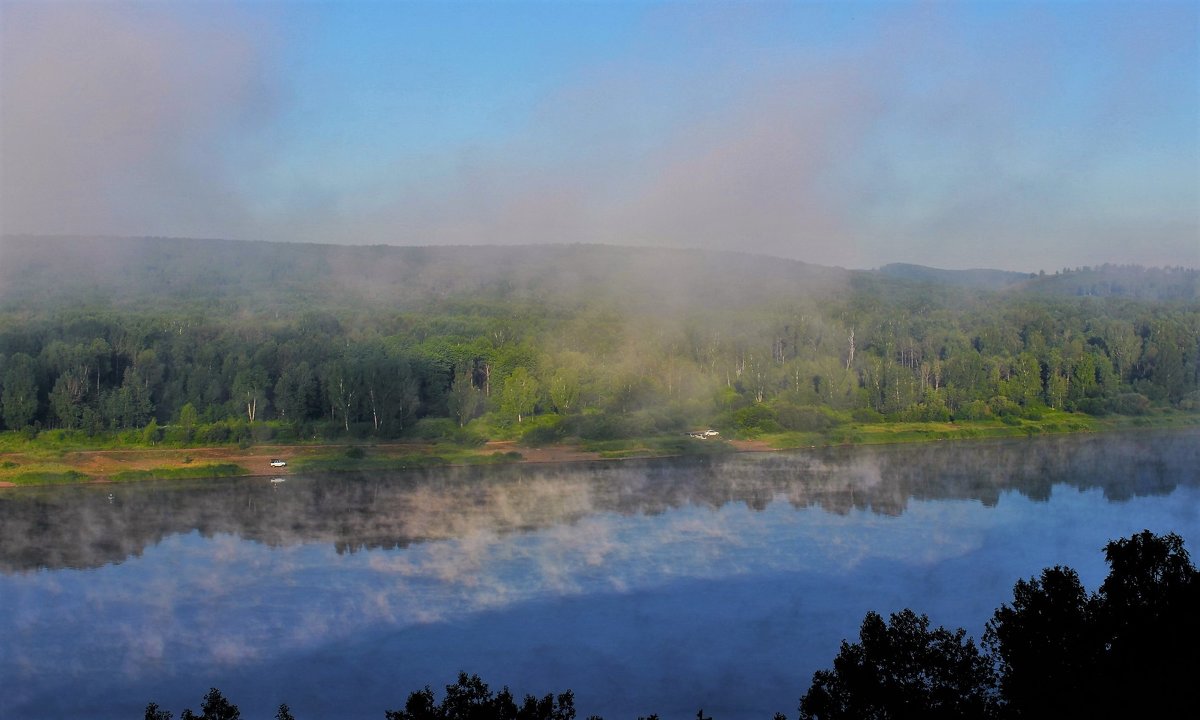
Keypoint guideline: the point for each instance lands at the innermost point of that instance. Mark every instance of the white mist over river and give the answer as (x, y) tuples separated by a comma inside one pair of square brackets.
[(645, 586)]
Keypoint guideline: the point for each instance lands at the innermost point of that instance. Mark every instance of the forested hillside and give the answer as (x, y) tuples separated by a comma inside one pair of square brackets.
[(259, 277), (1128, 281), (221, 340)]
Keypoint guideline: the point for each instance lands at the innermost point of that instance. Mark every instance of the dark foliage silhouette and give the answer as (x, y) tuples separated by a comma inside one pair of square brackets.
[(1148, 616), (1046, 645), (1128, 650), (903, 669), (471, 699), (214, 707)]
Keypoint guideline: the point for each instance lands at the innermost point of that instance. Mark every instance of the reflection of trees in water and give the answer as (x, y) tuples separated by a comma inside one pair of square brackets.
[(81, 527)]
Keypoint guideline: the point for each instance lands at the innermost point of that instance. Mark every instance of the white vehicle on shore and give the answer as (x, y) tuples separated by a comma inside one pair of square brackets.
[(278, 463)]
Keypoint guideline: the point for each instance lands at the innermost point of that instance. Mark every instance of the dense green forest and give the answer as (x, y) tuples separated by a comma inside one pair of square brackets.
[(206, 341)]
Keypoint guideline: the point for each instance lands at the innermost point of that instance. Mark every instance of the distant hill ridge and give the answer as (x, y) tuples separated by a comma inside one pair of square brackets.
[(1130, 281), (130, 270), (977, 278), (37, 270)]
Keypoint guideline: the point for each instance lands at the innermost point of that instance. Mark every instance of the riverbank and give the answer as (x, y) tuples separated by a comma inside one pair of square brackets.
[(45, 466), (36, 462)]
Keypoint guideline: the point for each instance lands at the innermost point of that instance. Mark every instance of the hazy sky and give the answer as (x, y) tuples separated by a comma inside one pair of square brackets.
[(990, 134)]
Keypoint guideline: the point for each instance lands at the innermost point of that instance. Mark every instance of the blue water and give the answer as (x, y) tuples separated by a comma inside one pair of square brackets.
[(646, 587)]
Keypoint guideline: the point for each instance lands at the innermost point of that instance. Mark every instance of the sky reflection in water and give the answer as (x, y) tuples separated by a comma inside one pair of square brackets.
[(646, 587)]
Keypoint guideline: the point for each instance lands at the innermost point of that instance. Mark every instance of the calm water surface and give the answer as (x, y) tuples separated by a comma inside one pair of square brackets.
[(646, 587)]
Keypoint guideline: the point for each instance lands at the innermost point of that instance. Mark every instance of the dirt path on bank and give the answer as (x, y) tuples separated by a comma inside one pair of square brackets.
[(752, 446)]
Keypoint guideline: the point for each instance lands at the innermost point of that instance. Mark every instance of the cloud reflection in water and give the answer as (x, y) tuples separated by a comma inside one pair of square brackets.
[(233, 582)]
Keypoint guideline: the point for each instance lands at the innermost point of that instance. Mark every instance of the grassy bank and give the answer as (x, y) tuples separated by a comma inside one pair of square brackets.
[(182, 473), (43, 475), (1050, 422), (52, 458)]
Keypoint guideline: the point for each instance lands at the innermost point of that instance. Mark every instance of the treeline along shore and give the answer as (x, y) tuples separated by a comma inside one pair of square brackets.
[(151, 344)]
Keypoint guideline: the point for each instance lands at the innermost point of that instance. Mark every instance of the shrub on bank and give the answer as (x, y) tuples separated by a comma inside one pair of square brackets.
[(1131, 404), (805, 418), (433, 429)]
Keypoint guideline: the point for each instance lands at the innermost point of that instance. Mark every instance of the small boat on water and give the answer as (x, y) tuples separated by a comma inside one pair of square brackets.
[(278, 480)]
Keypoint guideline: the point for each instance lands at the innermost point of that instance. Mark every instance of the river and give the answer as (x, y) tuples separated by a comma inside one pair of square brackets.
[(658, 586)]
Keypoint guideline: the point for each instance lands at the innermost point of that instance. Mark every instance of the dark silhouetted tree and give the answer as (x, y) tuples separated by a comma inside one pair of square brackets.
[(903, 669), (470, 699), (1046, 645), (153, 713), (215, 707), (1129, 650), (1148, 613)]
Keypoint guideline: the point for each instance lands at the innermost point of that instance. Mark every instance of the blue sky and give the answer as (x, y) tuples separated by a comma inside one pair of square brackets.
[(1020, 135)]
